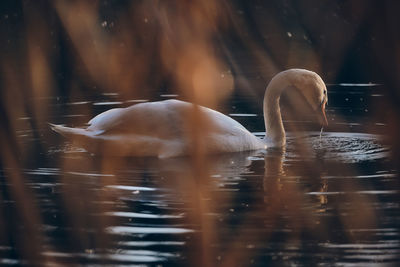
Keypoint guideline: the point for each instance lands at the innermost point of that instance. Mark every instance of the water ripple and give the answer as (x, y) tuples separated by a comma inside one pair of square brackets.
[(123, 230)]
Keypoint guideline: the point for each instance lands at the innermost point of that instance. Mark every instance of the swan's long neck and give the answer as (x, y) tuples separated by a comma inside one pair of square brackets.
[(275, 133)]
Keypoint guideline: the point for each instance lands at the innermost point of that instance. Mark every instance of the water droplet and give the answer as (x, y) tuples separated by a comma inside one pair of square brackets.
[(104, 24), (289, 34)]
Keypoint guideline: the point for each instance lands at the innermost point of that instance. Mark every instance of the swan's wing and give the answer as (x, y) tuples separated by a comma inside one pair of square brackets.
[(106, 120), (160, 119), (170, 120)]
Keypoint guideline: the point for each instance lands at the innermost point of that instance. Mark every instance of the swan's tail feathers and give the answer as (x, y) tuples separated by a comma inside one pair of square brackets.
[(67, 131)]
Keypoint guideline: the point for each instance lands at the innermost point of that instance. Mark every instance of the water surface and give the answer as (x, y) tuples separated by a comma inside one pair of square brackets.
[(324, 200)]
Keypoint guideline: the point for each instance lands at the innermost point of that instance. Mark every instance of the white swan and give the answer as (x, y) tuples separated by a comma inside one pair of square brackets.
[(162, 129)]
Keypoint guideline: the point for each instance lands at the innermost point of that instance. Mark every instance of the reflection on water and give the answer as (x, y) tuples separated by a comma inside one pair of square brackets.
[(317, 202)]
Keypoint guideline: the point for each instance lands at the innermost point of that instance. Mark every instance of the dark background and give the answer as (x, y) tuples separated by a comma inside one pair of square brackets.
[(79, 50)]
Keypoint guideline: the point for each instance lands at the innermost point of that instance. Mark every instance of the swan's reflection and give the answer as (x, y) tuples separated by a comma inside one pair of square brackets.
[(263, 199), (203, 191), (274, 173), (233, 201), (284, 186)]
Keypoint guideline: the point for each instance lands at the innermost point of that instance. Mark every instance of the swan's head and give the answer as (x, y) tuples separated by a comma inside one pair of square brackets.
[(312, 88)]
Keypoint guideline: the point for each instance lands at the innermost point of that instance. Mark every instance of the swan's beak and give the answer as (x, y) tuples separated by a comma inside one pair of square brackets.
[(322, 116)]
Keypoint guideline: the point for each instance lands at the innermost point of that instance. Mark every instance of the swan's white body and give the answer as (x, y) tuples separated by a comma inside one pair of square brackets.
[(161, 129), (166, 129)]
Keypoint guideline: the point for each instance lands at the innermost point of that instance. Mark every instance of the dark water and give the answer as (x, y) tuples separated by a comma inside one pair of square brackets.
[(324, 200)]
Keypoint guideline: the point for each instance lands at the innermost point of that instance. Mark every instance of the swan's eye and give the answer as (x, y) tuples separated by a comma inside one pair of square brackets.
[(324, 91)]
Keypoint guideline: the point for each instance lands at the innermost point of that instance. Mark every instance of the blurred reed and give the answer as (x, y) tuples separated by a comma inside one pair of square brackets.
[(200, 50)]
